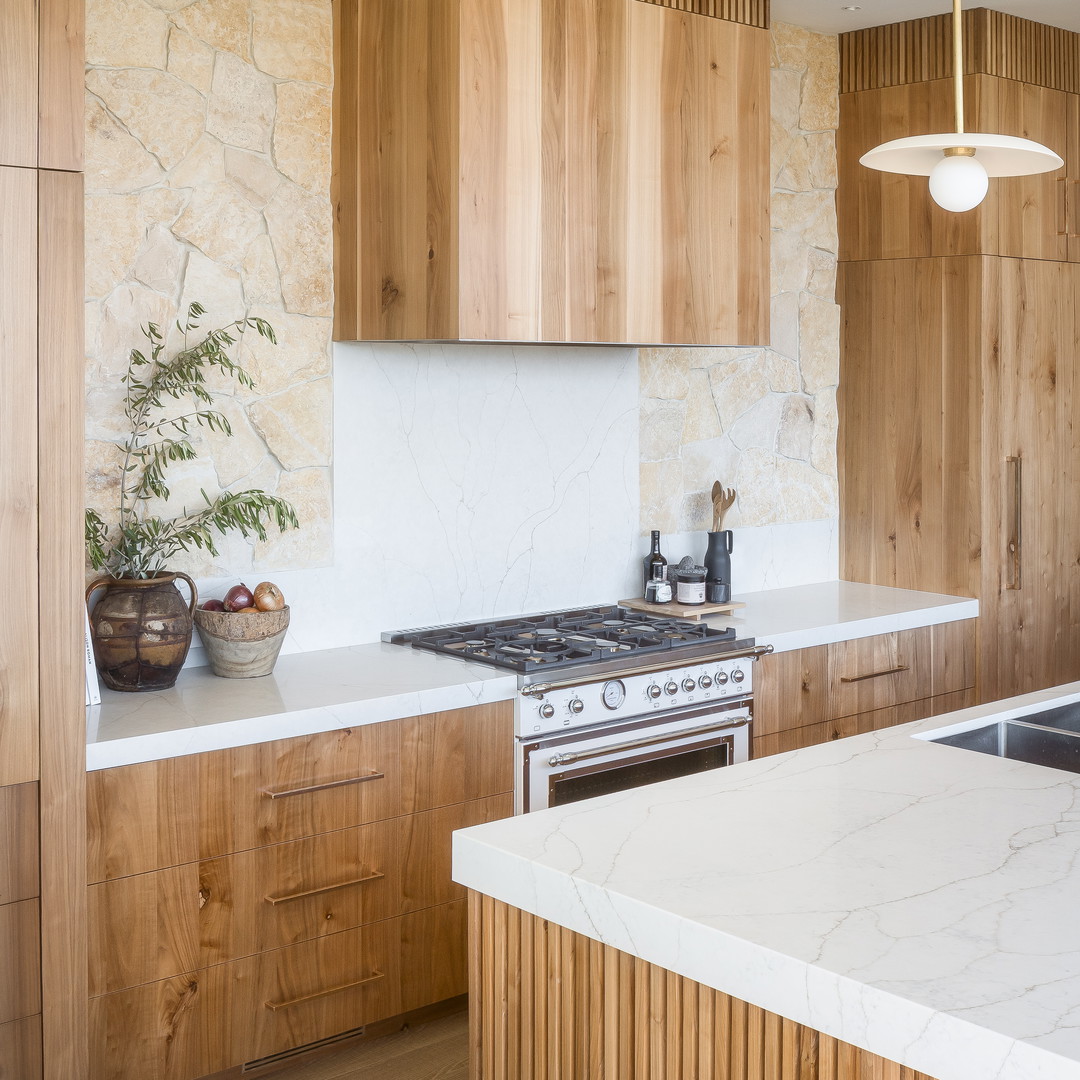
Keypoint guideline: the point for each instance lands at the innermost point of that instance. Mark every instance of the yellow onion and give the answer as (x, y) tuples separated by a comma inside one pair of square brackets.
[(268, 597)]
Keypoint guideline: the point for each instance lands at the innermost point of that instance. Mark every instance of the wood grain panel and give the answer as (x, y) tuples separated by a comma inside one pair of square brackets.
[(874, 672), (20, 1049), (750, 12), (791, 690), (19, 761), (994, 44), (20, 984), (61, 361), (62, 30), (142, 817), (953, 652), (19, 870), (644, 1023), (19, 82), (218, 1018)]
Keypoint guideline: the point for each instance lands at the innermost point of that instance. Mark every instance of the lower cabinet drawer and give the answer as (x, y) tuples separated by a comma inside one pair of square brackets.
[(154, 926), (20, 1049), (20, 966), (224, 1016)]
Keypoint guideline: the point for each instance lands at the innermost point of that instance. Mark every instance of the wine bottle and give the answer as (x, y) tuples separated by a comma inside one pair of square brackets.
[(654, 558)]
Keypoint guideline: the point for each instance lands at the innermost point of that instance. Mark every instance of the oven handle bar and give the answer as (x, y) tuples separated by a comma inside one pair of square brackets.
[(601, 751), (540, 689)]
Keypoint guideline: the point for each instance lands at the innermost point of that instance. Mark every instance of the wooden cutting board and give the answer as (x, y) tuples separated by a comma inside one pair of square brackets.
[(675, 610)]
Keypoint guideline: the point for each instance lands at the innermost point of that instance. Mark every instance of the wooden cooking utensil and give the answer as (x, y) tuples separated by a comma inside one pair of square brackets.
[(721, 502)]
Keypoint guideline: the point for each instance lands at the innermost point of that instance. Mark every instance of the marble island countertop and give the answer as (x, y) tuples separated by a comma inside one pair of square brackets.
[(363, 684), (917, 900)]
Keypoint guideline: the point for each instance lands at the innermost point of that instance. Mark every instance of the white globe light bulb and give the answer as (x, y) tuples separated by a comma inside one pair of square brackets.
[(958, 183)]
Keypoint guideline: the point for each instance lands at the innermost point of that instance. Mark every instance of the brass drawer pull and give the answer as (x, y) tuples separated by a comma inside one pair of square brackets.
[(324, 787), (273, 1006), (326, 888), (875, 674)]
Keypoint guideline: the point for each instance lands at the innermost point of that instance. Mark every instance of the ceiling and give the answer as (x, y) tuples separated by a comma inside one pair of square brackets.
[(829, 17)]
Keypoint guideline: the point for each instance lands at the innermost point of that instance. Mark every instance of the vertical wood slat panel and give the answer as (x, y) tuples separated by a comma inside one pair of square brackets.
[(593, 1011), (747, 12)]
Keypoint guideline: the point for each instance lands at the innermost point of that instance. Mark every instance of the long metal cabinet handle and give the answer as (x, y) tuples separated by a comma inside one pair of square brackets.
[(275, 1005), (324, 787), (600, 751), (1014, 541), (875, 674), (1068, 187), (325, 889)]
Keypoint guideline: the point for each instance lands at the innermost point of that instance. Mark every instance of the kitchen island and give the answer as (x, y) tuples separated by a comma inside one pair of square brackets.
[(877, 906)]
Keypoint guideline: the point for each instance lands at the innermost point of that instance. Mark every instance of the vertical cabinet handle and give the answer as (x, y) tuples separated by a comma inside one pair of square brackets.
[(1067, 187), (1014, 481)]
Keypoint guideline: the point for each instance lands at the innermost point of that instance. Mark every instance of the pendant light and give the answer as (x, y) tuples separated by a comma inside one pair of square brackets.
[(958, 162)]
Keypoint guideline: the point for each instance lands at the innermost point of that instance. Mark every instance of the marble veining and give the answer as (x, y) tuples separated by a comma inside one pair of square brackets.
[(914, 899)]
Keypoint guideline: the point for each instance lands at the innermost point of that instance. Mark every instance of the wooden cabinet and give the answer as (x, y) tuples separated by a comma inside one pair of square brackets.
[(302, 889), (828, 692), (543, 171)]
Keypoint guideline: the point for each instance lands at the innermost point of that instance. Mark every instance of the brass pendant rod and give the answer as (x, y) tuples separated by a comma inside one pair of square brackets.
[(958, 64)]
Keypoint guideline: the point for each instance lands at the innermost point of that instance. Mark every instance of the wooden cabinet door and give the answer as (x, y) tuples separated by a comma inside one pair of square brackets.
[(18, 474), (877, 672), (19, 84), (20, 976)]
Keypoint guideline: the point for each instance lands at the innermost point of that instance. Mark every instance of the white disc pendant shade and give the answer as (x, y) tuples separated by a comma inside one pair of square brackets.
[(999, 155)]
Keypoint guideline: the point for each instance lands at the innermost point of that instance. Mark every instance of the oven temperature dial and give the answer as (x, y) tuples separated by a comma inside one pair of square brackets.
[(738, 675), (547, 711), (614, 694), (576, 706)]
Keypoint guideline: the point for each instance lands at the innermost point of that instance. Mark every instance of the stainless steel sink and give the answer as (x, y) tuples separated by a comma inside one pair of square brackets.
[(1050, 738)]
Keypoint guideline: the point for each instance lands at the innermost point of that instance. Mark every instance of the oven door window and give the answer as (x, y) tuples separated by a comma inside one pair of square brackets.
[(601, 779)]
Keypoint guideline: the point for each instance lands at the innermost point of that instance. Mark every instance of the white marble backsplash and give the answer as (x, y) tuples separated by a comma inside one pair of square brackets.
[(469, 481)]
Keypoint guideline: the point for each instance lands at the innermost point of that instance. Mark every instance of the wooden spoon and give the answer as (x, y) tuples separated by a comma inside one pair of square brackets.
[(721, 502)]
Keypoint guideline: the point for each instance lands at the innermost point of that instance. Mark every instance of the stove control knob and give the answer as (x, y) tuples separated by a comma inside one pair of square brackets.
[(688, 685), (721, 678), (547, 711), (704, 682), (738, 675), (671, 687), (654, 691), (577, 706)]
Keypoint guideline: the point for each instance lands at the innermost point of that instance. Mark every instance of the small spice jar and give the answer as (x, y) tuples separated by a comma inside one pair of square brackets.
[(690, 588), (658, 589)]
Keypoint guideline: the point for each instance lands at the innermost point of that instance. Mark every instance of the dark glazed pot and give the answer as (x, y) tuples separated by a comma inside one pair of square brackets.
[(141, 630)]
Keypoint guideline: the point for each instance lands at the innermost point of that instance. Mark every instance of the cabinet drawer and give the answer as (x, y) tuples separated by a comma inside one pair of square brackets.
[(19, 874), (876, 672), (154, 926), (248, 1009), (20, 971), (20, 1049)]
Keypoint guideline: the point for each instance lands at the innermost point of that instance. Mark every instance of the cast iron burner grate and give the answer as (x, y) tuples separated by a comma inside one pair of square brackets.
[(563, 638)]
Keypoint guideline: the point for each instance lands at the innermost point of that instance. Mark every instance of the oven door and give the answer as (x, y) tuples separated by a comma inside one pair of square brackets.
[(577, 765)]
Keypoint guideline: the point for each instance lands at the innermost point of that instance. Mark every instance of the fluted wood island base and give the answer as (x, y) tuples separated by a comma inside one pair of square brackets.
[(549, 1004)]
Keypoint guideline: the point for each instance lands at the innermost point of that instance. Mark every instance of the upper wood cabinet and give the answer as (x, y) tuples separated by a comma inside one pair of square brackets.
[(1022, 80), (538, 170)]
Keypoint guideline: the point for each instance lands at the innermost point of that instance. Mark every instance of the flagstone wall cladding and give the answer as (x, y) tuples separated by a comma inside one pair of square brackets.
[(208, 178), (763, 420)]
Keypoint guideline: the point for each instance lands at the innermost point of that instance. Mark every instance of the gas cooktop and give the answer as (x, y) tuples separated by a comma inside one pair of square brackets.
[(564, 638)]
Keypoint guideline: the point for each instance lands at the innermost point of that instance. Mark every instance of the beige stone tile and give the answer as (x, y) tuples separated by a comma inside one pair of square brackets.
[(819, 108), (237, 456), (662, 373), (300, 230), (661, 428), (259, 275), (791, 44), (163, 113), (826, 424), (821, 279), (821, 158), (240, 110), (784, 324), (220, 223), (661, 495), (302, 135), (292, 39), (796, 430), (702, 420), (812, 214), (216, 287), (224, 24), (204, 165), (102, 487), (295, 424), (759, 425), (301, 354), (123, 315), (796, 172), (705, 462), (788, 262), (160, 263), (254, 175), (191, 60), (736, 388), (695, 515), (819, 336), (313, 543), (125, 33), (782, 374), (114, 160)]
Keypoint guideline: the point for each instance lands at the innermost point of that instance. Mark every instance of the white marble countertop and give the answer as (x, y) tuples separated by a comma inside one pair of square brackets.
[(364, 684), (802, 616), (307, 693), (917, 900)]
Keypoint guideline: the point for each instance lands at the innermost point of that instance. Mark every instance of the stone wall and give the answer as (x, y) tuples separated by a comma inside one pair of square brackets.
[(763, 420), (207, 178)]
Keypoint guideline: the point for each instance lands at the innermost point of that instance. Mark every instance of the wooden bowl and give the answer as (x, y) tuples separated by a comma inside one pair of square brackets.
[(242, 645)]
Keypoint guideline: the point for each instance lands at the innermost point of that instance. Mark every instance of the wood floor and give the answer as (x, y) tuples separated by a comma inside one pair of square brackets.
[(437, 1050)]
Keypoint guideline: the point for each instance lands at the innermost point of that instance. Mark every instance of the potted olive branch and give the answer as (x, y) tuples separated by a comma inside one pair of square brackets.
[(141, 628)]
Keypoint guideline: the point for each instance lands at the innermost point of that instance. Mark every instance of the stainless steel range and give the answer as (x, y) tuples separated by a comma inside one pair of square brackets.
[(609, 698)]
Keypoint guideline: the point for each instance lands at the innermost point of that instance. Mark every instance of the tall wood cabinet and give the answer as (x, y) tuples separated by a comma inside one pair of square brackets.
[(537, 170), (42, 740), (963, 328)]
